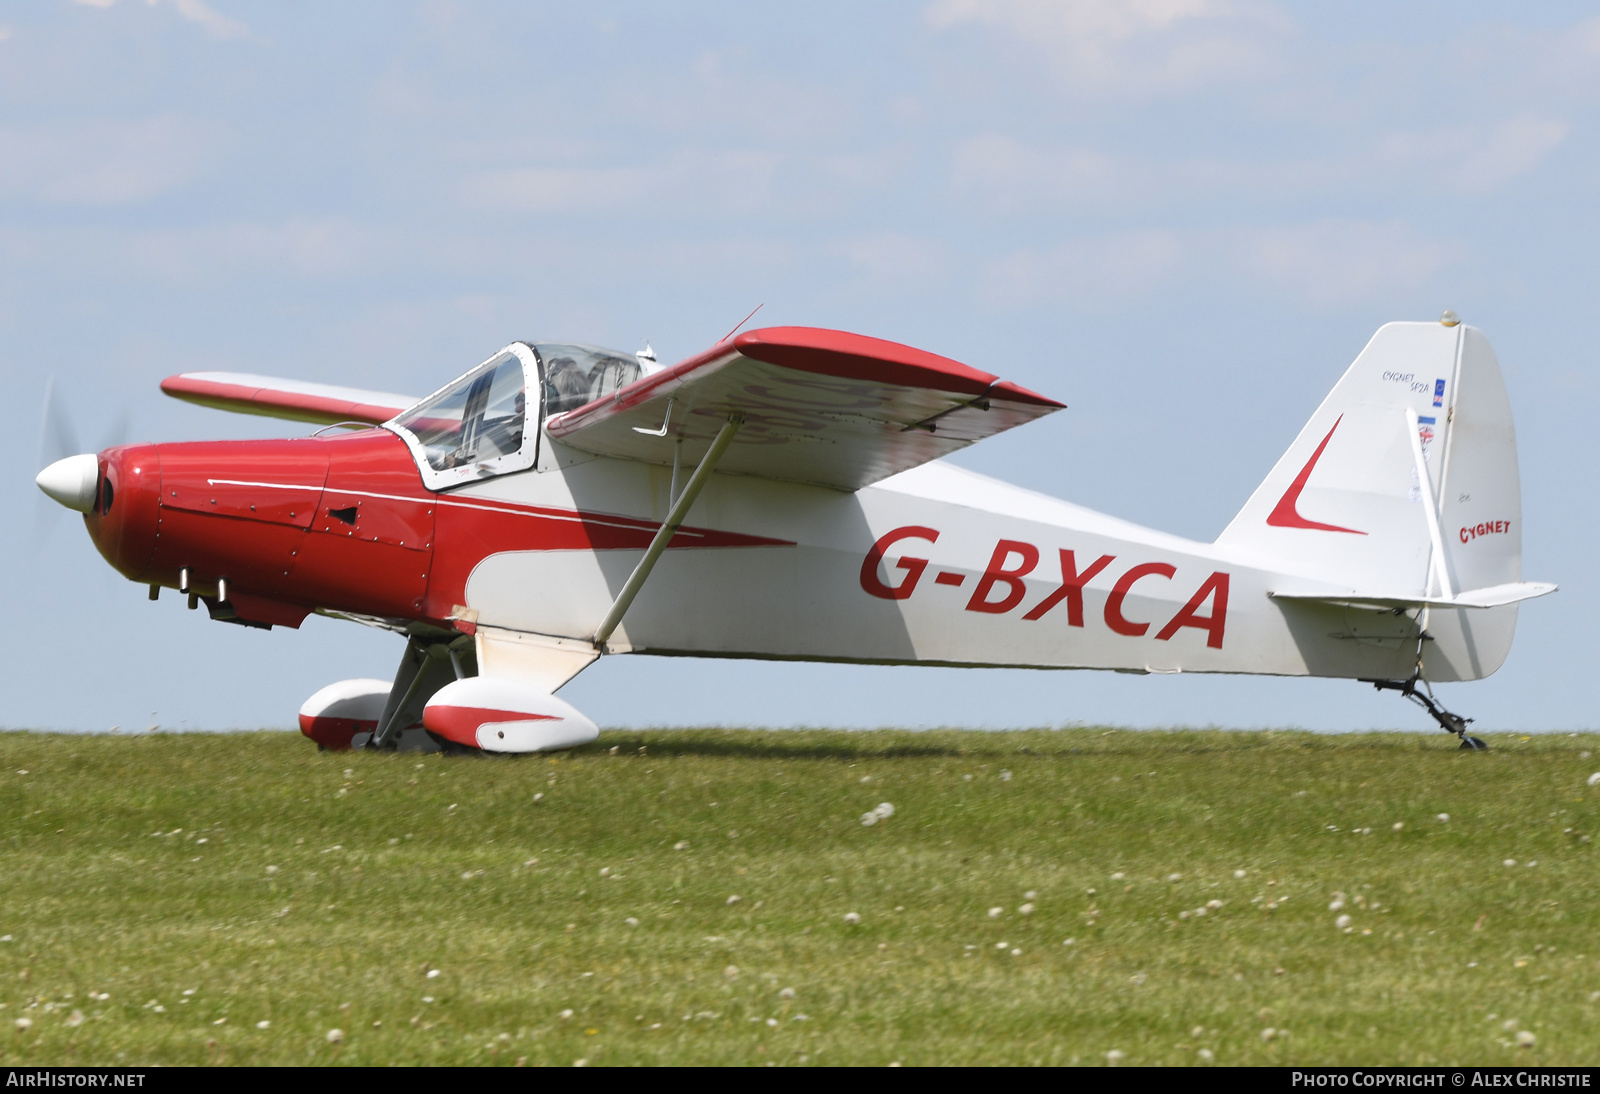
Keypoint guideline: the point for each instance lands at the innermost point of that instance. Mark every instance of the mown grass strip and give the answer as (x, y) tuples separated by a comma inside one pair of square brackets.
[(166, 895)]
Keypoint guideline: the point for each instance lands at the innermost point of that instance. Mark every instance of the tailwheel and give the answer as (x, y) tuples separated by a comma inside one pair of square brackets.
[(1449, 722)]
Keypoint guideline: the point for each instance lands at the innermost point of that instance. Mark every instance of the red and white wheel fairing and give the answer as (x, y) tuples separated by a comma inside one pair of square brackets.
[(505, 716), (339, 711)]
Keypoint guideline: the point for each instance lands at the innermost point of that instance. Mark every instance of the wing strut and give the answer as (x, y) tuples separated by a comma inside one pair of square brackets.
[(680, 510)]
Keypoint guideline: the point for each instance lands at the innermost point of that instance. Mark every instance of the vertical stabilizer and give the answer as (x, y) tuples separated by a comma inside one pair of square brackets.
[(1347, 505)]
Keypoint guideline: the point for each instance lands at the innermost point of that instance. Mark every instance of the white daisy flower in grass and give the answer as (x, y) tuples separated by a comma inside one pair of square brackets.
[(996, 913), (1115, 1057), (1342, 922), (335, 1036), (852, 918), (265, 1023)]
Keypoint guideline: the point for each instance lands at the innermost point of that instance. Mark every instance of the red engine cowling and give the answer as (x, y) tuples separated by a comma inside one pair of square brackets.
[(505, 716)]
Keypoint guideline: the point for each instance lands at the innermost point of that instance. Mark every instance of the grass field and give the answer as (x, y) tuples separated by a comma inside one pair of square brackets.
[(714, 897)]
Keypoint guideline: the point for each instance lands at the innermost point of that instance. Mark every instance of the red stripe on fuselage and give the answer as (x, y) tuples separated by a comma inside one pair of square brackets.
[(396, 549)]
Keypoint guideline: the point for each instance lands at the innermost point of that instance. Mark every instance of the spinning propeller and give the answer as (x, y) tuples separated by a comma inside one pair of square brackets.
[(67, 474)]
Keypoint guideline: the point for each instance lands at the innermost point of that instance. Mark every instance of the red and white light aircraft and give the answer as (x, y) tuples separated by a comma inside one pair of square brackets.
[(782, 496)]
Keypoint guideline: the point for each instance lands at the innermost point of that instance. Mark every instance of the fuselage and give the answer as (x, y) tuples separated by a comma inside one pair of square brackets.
[(935, 565)]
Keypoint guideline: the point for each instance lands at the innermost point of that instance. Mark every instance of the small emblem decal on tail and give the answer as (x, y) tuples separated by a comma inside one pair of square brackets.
[(1286, 513), (1438, 393)]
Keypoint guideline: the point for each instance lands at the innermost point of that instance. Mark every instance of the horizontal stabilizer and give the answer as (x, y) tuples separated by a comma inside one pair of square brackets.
[(296, 400), (818, 406), (1493, 596)]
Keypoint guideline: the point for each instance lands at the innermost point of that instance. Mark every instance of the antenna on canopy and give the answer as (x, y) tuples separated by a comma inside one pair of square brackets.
[(741, 323)]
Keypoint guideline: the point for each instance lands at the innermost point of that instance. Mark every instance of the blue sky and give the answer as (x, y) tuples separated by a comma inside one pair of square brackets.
[(1182, 217)]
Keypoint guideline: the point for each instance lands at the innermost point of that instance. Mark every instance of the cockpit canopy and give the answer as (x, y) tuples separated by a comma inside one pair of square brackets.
[(577, 375), (475, 427)]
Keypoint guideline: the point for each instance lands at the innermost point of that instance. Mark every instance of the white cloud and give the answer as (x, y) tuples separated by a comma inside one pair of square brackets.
[(1088, 272), (1136, 48), (894, 260), (297, 248), (716, 184), (102, 163), (303, 247), (1332, 263), (556, 189), (214, 23), (1509, 149), (1322, 264), (1001, 175)]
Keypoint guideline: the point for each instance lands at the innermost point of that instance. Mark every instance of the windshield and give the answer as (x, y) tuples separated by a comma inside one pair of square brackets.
[(477, 418), (576, 375)]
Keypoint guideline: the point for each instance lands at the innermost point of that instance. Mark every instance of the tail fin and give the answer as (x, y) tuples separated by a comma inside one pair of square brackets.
[(1347, 505)]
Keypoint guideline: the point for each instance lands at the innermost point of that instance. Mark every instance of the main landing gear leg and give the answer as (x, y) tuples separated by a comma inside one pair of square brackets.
[(1450, 723)]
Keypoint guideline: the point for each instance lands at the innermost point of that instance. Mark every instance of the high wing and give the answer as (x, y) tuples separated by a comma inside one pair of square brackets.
[(296, 400), (818, 406)]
